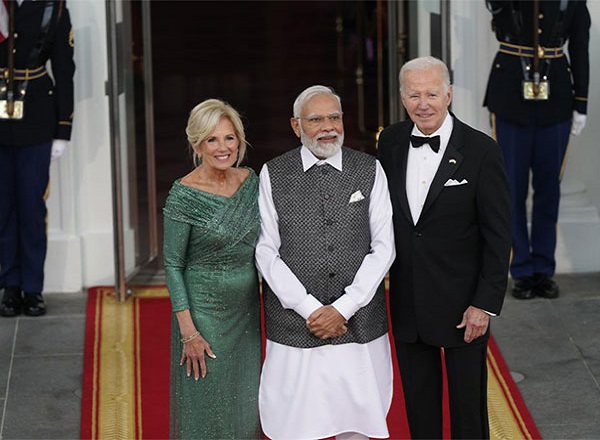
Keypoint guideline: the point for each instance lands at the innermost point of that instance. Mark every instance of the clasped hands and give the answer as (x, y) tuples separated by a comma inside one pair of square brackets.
[(326, 322)]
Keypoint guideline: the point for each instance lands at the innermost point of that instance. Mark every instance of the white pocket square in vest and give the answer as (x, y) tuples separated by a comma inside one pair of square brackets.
[(356, 197), (452, 182)]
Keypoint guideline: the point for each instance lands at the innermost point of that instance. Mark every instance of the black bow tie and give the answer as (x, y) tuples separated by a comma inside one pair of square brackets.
[(434, 142)]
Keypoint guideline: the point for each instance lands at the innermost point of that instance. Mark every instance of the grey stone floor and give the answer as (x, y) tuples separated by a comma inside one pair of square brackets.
[(41, 362), (553, 346)]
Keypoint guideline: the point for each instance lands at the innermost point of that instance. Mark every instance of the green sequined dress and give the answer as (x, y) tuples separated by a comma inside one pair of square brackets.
[(209, 245)]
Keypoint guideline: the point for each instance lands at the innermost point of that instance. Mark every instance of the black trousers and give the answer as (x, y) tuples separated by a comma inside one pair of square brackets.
[(466, 369)]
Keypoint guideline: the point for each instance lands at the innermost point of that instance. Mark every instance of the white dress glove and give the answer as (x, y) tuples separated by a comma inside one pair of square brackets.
[(578, 123), (58, 148)]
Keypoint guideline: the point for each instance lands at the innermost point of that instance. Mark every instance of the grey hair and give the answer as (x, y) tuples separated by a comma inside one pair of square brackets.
[(425, 63), (203, 120), (310, 93)]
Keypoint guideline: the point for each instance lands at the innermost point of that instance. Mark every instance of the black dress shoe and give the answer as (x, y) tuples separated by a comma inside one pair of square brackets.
[(545, 287), (12, 302), (33, 304), (523, 288)]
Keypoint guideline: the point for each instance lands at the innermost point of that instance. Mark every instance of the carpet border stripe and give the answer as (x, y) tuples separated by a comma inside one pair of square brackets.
[(508, 398), (137, 369), (512, 393), (96, 363)]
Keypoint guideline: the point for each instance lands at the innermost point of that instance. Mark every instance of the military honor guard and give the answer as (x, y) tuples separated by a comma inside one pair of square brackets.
[(36, 112), (537, 97)]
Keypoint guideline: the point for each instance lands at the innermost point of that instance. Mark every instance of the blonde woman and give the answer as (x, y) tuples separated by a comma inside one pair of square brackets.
[(211, 228)]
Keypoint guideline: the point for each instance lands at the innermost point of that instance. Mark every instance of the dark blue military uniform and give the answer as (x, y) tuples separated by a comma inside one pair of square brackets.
[(533, 129), (42, 33)]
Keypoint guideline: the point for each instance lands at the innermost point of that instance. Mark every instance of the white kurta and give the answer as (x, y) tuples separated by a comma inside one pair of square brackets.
[(308, 393)]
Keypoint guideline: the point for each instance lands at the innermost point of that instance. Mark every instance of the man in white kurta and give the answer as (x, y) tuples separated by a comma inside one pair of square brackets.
[(333, 389)]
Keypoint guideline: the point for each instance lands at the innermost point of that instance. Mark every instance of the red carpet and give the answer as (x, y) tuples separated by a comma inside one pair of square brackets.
[(126, 374), (126, 366)]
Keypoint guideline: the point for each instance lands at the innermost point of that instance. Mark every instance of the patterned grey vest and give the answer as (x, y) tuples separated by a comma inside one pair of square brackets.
[(324, 239)]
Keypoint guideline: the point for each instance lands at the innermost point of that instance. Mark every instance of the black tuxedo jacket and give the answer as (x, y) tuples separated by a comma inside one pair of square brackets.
[(457, 254), (48, 100)]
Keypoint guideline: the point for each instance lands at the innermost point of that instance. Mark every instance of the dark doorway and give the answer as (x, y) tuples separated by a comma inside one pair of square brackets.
[(258, 56)]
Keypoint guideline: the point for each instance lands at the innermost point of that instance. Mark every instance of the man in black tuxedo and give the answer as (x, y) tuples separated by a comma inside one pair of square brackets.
[(537, 97), (451, 208)]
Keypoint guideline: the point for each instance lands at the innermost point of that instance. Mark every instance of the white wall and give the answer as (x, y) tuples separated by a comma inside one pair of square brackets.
[(80, 250), (579, 222), (473, 49), (584, 150)]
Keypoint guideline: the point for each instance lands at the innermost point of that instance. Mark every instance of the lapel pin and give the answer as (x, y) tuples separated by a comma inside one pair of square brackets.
[(452, 161)]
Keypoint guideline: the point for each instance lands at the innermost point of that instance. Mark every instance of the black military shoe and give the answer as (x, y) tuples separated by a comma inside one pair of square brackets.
[(545, 287), (12, 301), (523, 288), (34, 305)]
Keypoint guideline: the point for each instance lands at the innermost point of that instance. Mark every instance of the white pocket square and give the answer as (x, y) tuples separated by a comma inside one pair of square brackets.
[(453, 182), (356, 197)]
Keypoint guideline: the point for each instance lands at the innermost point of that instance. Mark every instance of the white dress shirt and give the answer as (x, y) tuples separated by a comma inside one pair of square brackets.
[(308, 393), (422, 164)]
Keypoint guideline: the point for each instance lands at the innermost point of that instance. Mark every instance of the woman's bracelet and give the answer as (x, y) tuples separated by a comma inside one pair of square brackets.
[(190, 337)]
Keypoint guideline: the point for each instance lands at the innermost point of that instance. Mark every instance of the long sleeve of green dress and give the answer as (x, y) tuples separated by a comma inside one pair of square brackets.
[(176, 239)]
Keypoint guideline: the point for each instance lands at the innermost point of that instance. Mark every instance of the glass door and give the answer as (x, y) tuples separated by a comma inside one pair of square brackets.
[(129, 90)]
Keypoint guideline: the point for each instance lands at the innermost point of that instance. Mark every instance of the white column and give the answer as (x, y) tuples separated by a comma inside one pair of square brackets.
[(80, 243), (578, 232)]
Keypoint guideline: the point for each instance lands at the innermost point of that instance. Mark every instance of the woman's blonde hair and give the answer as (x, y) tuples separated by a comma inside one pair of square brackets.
[(204, 119)]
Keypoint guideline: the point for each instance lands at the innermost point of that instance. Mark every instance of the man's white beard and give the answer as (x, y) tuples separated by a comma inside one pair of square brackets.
[(322, 150)]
